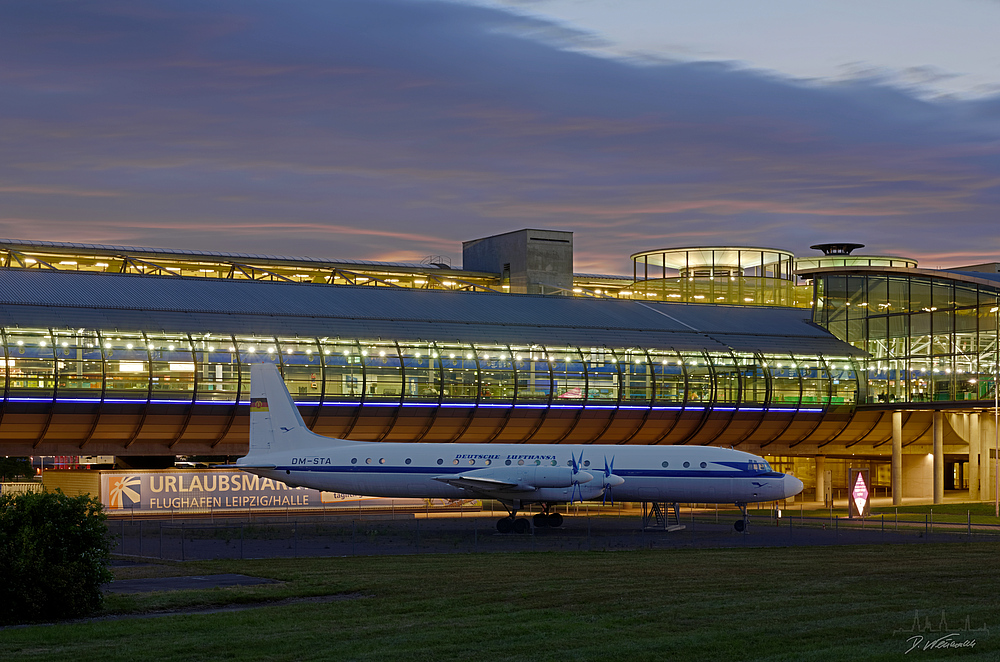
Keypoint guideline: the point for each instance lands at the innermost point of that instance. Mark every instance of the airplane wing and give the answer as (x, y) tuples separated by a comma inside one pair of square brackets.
[(476, 482)]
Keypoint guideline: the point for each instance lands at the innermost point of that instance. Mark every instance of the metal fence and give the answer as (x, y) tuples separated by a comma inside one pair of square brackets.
[(413, 534), (20, 488)]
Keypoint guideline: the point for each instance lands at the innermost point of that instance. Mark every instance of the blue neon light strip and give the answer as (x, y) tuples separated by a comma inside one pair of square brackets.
[(463, 405)]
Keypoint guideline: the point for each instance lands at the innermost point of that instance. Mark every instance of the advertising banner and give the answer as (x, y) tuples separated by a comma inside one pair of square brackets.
[(225, 489)]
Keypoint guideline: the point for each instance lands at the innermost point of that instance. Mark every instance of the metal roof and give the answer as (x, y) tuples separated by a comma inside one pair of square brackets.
[(20, 244), (985, 275), (148, 303), (986, 279)]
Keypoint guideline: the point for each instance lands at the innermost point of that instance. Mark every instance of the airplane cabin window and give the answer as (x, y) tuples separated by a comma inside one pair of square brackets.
[(440, 461), (489, 462), (687, 464), (381, 460), (472, 461), (703, 465), (507, 463), (354, 460), (408, 460), (455, 461), (586, 463), (666, 464), (520, 462), (368, 461)]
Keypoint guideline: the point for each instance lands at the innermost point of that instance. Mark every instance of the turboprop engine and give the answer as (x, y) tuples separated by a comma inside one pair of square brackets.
[(519, 479), (545, 483)]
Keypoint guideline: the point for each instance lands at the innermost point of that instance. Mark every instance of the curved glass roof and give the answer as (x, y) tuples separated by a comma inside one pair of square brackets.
[(92, 300)]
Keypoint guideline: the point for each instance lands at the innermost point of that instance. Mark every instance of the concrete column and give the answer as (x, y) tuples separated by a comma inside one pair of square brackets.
[(820, 477), (897, 458), (974, 449), (987, 468), (938, 419)]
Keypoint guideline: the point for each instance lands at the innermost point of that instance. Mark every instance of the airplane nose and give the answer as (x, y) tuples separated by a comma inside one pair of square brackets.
[(792, 486)]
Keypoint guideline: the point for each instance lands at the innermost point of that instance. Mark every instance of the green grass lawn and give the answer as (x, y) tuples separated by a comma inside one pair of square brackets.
[(823, 603)]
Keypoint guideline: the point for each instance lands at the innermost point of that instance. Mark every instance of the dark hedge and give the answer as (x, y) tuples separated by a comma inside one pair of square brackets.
[(54, 552)]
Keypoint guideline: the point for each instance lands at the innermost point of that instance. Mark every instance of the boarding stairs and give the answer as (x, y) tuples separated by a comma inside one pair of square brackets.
[(661, 516)]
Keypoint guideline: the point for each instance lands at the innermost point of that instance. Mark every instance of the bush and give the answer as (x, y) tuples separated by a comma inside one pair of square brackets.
[(54, 551)]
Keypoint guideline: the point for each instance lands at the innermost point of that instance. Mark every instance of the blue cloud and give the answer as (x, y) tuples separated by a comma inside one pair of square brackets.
[(367, 128)]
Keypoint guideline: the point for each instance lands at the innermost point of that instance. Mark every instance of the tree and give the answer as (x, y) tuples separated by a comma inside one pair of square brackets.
[(12, 468), (54, 550)]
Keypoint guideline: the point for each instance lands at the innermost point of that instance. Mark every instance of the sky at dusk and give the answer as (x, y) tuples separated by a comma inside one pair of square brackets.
[(394, 129)]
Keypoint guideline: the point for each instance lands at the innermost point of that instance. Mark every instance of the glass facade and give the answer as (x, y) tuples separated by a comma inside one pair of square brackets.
[(720, 274), (45, 365), (931, 339)]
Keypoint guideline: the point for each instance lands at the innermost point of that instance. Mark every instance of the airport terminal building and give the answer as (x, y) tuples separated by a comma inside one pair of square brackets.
[(819, 363)]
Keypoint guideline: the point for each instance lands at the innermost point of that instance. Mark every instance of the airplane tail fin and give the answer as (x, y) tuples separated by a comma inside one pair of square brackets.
[(275, 422)]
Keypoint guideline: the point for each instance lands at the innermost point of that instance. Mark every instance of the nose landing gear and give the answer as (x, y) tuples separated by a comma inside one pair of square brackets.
[(742, 525)]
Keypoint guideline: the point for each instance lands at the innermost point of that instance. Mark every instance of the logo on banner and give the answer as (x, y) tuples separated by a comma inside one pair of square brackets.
[(258, 405), (122, 493)]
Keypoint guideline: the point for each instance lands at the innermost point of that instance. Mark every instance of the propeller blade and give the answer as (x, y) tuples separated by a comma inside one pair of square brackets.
[(609, 469)]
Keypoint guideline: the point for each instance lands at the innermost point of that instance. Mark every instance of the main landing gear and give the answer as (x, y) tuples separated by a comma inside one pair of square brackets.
[(742, 525), (514, 524), (547, 518)]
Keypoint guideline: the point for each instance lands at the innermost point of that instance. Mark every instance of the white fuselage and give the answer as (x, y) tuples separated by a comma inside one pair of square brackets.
[(532, 473)]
